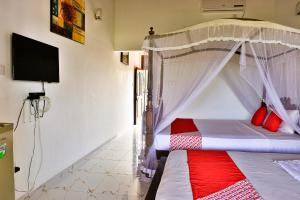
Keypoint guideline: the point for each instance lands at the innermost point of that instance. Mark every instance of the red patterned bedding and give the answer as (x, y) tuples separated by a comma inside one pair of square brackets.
[(185, 135), (214, 175), (231, 175)]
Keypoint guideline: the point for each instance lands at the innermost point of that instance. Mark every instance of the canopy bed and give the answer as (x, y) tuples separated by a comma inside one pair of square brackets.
[(231, 175), (183, 63)]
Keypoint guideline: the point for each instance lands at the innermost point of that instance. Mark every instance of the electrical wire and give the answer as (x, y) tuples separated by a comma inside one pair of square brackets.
[(43, 86), (20, 190), (33, 151), (244, 13), (35, 105), (46, 105), (20, 113), (41, 154), (43, 89), (37, 117), (37, 125), (19, 116), (43, 110)]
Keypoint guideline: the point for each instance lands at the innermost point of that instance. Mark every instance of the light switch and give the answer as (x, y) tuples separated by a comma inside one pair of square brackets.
[(2, 69)]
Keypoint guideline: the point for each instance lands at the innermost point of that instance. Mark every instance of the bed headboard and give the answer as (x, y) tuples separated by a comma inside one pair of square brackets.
[(286, 102)]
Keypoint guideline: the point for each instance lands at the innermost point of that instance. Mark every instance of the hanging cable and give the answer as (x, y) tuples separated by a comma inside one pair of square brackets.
[(244, 11), (36, 114), (17, 124), (20, 113), (41, 154), (44, 99), (43, 110), (43, 86)]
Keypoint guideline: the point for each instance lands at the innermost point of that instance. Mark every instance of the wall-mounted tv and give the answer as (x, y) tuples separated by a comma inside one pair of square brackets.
[(33, 60)]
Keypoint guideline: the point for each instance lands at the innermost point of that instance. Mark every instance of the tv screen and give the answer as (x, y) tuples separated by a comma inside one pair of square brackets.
[(33, 60)]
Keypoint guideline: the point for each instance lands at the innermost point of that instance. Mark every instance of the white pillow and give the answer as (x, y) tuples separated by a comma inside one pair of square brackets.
[(284, 127)]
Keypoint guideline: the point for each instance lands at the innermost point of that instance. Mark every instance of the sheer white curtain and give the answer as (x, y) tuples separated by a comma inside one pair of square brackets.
[(179, 80), (185, 77), (242, 90), (277, 67), (179, 76)]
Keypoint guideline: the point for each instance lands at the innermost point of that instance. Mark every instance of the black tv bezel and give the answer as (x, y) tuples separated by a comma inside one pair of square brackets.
[(57, 80)]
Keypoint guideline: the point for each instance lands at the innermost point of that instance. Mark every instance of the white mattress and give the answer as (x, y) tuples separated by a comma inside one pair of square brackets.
[(236, 135), (268, 178)]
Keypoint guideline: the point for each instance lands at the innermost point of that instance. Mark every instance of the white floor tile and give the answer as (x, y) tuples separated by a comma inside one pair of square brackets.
[(107, 174)]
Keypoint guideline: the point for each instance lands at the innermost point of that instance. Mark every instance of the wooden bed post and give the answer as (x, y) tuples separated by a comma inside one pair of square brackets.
[(149, 106)]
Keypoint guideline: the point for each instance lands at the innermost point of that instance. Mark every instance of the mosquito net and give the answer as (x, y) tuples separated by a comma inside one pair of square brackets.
[(186, 61)]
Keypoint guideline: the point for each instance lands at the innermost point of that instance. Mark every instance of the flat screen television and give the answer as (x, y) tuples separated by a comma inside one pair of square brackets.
[(33, 60)]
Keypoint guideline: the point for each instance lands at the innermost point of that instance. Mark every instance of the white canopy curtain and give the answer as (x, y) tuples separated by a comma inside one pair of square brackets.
[(186, 61), (185, 78), (278, 68), (239, 86)]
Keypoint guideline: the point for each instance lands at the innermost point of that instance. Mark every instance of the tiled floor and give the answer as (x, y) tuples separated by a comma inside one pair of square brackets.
[(109, 173)]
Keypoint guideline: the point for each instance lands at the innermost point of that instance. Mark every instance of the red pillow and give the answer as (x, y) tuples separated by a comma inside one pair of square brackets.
[(273, 122), (183, 125), (259, 116)]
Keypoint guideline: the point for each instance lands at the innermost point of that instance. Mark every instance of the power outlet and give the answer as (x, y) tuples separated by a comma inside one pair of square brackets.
[(2, 69)]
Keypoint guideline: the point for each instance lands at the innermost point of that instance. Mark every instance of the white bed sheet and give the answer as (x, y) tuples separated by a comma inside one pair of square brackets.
[(239, 135), (268, 178)]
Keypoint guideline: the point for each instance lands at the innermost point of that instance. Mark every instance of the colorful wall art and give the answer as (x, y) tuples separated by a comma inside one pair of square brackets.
[(68, 19)]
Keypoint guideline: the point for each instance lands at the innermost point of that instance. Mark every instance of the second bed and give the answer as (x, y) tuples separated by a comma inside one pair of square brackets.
[(192, 175), (238, 135)]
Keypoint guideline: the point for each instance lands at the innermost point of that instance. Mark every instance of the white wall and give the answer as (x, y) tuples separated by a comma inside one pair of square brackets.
[(134, 17), (91, 104), (217, 101)]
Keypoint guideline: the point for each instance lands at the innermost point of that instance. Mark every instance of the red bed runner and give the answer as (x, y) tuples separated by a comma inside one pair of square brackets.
[(214, 175), (182, 136)]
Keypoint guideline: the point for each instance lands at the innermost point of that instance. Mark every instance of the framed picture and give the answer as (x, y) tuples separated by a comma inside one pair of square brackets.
[(68, 19), (124, 58)]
